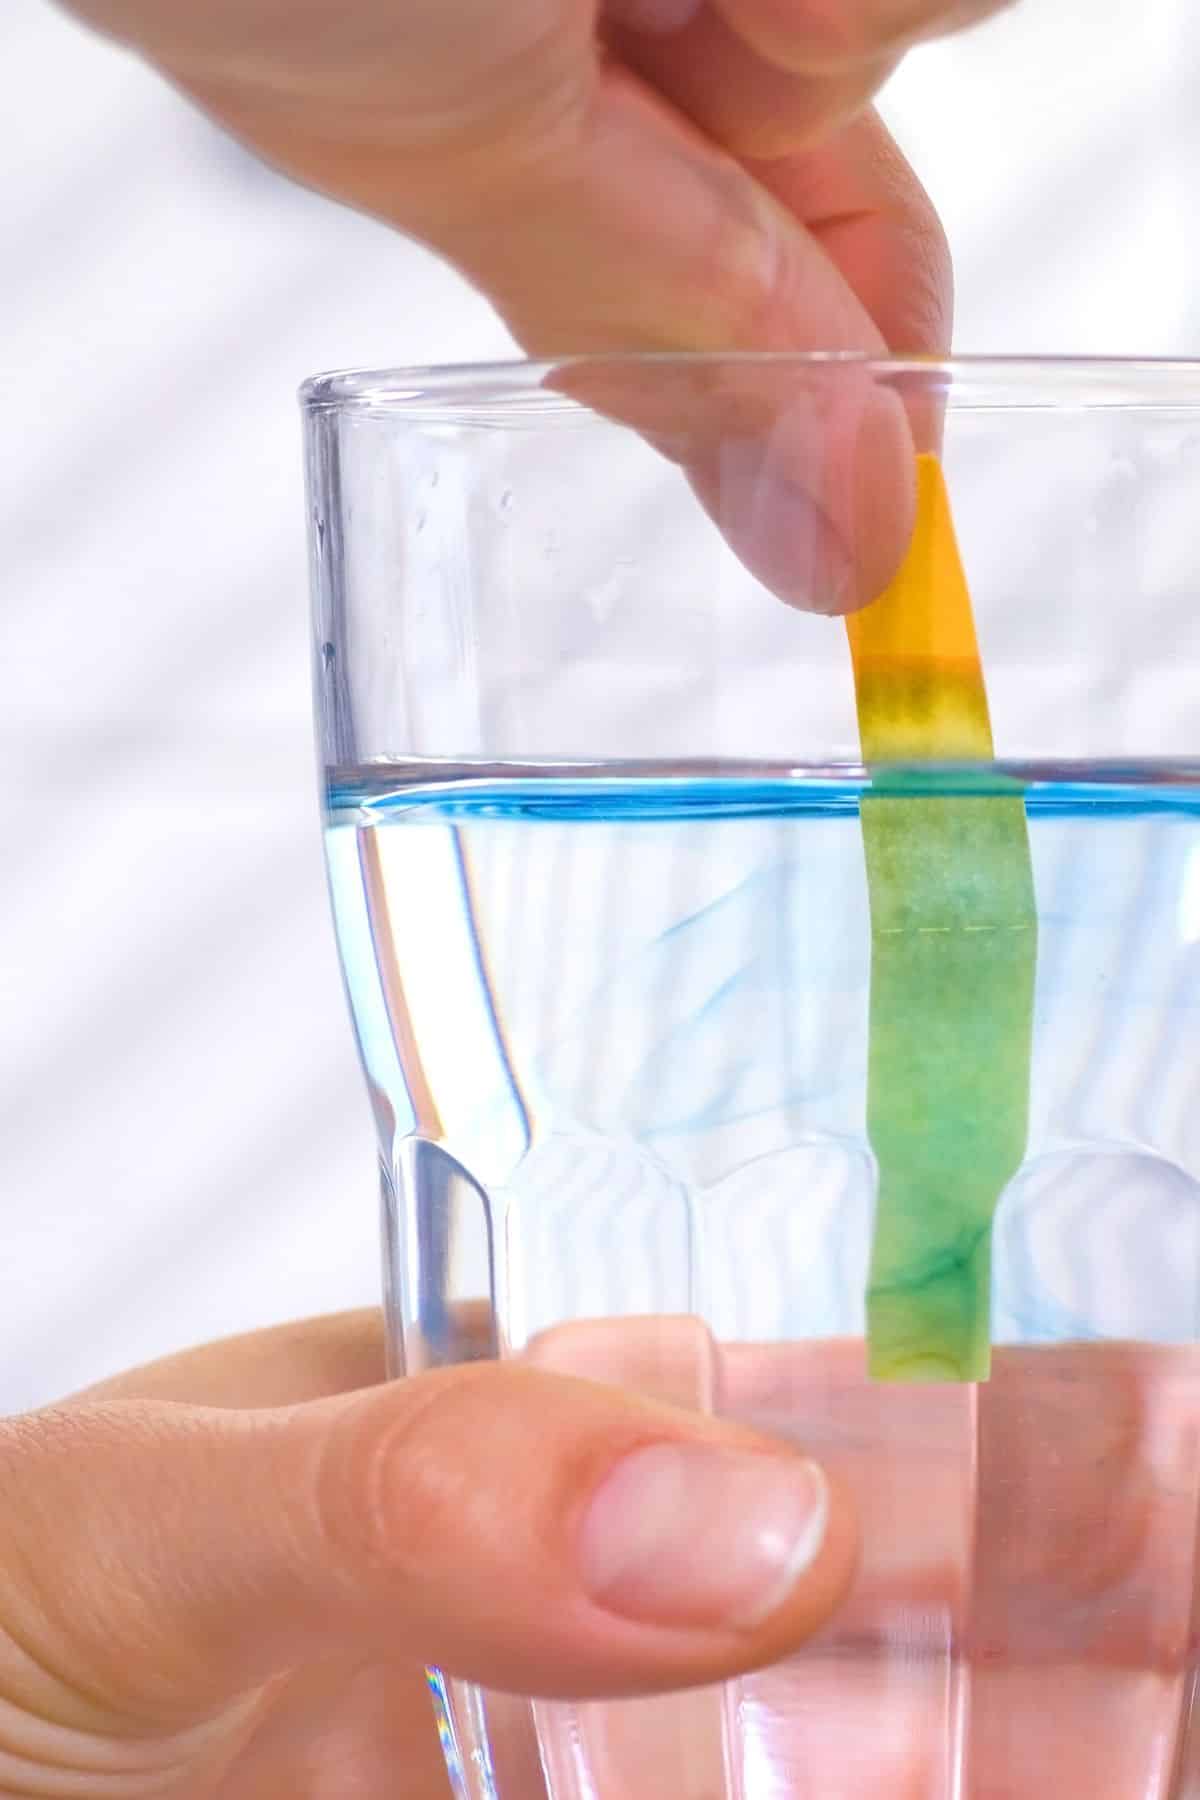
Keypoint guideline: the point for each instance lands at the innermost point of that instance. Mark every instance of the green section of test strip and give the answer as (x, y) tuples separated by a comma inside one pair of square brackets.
[(953, 959)]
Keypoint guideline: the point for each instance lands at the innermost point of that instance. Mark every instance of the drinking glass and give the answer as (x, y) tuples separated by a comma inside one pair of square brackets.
[(595, 805)]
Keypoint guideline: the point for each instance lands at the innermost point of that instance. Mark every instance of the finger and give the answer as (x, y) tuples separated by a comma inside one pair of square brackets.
[(305, 1359), (308, 1359), (346, 1727), (864, 205), (749, 104), (523, 1529), (624, 229), (862, 202), (804, 470), (810, 481), (627, 229), (827, 36), (644, 234), (640, 233)]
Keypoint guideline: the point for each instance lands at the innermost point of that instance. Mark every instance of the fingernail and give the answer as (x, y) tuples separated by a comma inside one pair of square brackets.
[(883, 510), (796, 550), (683, 1534)]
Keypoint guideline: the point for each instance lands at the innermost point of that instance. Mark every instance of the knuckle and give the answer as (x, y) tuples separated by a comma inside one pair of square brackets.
[(390, 1479), (741, 263)]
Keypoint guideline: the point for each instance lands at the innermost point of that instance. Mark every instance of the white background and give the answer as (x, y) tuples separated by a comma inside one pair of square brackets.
[(185, 1148)]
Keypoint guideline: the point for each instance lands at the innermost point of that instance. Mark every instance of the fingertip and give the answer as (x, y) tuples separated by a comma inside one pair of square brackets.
[(695, 1534), (732, 1544), (641, 1547), (820, 506), (884, 497), (760, 1552), (813, 1599)]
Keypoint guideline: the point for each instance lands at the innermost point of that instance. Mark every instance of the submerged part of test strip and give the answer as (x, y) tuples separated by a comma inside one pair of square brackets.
[(953, 957)]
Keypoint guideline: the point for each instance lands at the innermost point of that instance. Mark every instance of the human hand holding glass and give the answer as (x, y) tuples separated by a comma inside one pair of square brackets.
[(194, 1606)]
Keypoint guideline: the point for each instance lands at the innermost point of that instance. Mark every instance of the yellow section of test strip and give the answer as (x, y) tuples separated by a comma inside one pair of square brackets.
[(916, 657)]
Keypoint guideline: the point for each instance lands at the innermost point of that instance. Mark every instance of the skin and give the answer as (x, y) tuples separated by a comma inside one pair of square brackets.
[(658, 174), (635, 175), (224, 1573)]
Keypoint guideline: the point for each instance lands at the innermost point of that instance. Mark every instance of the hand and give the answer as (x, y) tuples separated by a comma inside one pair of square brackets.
[(662, 173), (222, 1574), (619, 175)]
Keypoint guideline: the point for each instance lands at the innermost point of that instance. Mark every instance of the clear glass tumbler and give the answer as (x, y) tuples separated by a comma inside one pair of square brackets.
[(595, 808)]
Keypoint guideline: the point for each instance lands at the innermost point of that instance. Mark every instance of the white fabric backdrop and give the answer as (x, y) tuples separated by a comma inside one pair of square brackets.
[(185, 1148)]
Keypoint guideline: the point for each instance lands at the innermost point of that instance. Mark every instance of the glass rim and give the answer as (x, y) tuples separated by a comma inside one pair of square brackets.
[(446, 389)]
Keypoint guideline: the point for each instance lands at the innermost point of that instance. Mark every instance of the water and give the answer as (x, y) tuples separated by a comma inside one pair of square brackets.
[(615, 1028)]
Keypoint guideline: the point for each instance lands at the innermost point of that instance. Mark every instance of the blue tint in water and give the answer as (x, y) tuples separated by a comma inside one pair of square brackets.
[(633, 1008), (372, 795)]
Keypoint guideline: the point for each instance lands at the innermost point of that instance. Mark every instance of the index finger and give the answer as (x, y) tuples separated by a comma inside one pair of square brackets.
[(807, 471), (285, 1365), (282, 1365)]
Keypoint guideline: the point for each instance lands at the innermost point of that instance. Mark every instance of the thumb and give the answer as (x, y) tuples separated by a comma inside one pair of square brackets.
[(523, 1529)]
